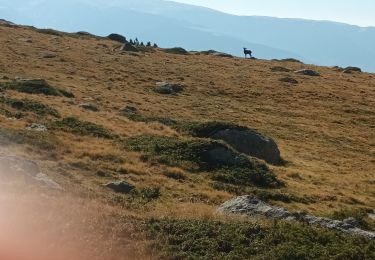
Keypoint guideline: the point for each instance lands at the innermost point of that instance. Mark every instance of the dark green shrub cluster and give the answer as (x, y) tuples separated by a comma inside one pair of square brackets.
[(197, 155), (30, 106), (206, 129), (73, 125), (208, 239), (36, 87)]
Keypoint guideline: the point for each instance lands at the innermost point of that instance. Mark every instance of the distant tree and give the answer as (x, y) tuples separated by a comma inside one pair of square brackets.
[(155, 45), (148, 44), (142, 44), (136, 42), (131, 42)]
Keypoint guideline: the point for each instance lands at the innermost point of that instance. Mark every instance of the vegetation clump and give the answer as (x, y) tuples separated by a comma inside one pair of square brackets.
[(209, 239), (36, 87), (74, 125), (199, 155), (30, 106)]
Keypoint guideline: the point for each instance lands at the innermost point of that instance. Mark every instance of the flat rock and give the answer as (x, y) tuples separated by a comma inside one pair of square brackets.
[(48, 55), (254, 207)]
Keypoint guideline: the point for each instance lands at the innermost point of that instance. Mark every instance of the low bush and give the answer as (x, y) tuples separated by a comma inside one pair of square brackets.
[(73, 125), (209, 239), (30, 106), (36, 87)]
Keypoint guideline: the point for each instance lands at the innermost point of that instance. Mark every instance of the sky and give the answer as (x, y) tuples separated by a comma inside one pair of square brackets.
[(357, 12)]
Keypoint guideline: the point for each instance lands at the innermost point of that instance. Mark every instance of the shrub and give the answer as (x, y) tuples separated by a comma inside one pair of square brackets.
[(73, 125), (209, 239), (151, 193), (30, 106), (36, 87)]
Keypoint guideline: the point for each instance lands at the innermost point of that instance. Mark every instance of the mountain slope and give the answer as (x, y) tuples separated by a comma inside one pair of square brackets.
[(104, 121)]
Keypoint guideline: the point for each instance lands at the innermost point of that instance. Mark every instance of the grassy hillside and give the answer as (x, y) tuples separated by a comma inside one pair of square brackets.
[(324, 127)]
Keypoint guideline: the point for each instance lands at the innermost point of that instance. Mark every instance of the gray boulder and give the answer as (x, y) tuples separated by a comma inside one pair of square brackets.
[(250, 142), (351, 70), (120, 186), (307, 72), (117, 37), (253, 207)]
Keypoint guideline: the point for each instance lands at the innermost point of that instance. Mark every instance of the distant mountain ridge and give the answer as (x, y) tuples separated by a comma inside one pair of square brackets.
[(173, 24)]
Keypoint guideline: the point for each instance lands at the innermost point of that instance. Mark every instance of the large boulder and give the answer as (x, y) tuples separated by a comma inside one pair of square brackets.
[(254, 207), (117, 37), (352, 69), (242, 139)]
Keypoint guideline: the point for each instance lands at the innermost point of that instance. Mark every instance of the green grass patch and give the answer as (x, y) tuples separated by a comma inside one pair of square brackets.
[(208, 239), (74, 125), (30, 106), (204, 155), (36, 87)]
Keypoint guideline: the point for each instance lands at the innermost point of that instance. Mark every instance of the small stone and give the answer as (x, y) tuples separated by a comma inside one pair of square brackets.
[(48, 55)]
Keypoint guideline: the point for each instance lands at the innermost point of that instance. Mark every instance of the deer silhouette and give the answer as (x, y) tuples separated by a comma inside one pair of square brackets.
[(247, 52)]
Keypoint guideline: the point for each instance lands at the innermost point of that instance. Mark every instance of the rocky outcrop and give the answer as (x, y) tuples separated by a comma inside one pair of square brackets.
[(13, 168), (351, 70), (307, 72), (36, 127), (253, 207)]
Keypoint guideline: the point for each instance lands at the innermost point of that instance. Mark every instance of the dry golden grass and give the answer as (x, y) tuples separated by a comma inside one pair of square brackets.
[(324, 126)]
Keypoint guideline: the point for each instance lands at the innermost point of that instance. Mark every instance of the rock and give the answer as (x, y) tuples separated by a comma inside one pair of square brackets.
[(129, 47), (48, 55), (280, 69), (307, 72), (89, 106), (289, 80), (117, 37), (371, 216), (120, 186), (243, 140), (36, 127), (351, 70), (253, 207), (12, 167), (168, 88)]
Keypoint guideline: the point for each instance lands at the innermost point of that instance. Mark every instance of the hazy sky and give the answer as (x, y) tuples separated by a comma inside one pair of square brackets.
[(359, 12)]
